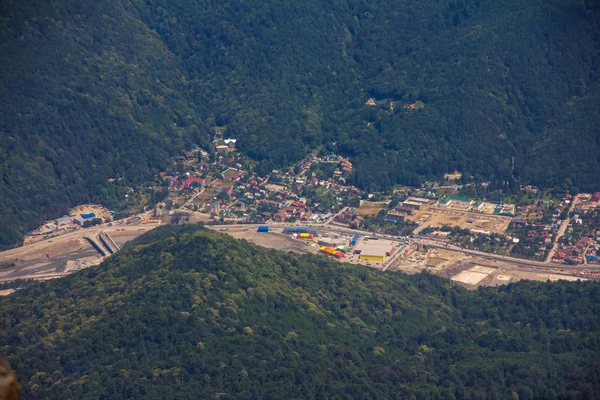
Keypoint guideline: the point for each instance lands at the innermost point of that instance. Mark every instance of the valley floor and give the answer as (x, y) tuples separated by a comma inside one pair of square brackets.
[(71, 252)]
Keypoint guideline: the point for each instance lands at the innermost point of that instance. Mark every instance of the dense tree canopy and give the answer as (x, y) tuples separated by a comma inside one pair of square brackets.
[(187, 313), (111, 88)]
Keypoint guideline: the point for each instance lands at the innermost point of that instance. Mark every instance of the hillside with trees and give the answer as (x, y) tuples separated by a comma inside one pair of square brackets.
[(187, 313), (115, 89)]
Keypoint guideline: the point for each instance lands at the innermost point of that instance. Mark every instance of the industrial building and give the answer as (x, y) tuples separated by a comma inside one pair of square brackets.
[(478, 206), (65, 220), (79, 221), (331, 252), (329, 242), (375, 250), (413, 205), (449, 200), (394, 216), (416, 203)]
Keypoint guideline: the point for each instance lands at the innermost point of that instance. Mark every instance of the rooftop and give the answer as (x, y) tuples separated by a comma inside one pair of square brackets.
[(455, 198), (418, 200), (374, 247)]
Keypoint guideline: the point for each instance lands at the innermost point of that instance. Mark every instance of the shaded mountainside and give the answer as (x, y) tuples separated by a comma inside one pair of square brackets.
[(113, 88), (88, 93), (187, 313)]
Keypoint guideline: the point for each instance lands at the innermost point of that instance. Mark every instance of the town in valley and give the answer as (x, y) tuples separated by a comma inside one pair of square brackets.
[(457, 228)]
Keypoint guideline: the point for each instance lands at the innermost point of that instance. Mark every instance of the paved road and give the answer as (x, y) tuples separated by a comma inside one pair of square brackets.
[(13, 254), (427, 242)]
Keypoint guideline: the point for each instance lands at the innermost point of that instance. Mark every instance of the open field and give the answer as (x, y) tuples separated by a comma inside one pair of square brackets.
[(6, 272), (469, 277), (370, 208), (220, 184), (199, 217), (231, 173), (206, 195), (438, 259), (545, 276), (433, 216), (474, 275), (435, 262), (482, 270), (270, 240)]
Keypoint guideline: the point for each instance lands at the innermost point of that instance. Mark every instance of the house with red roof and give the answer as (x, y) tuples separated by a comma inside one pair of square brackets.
[(192, 182)]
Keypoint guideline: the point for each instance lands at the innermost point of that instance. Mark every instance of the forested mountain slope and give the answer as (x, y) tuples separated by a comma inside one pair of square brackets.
[(187, 313), (113, 88), (88, 93)]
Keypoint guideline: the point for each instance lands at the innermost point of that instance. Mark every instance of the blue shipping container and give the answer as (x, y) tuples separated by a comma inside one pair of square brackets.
[(88, 215), (263, 228), (354, 240)]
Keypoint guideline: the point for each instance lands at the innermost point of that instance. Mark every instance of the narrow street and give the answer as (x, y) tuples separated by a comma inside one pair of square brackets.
[(561, 231)]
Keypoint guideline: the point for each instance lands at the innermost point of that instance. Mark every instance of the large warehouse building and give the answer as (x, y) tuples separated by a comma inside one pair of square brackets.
[(375, 250)]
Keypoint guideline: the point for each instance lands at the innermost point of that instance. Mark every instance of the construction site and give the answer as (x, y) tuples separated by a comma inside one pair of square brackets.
[(438, 216), (74, 220), (67, 253)]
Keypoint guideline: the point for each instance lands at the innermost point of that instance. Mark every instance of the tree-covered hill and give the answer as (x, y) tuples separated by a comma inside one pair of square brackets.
[(113, 88), (186, 313)]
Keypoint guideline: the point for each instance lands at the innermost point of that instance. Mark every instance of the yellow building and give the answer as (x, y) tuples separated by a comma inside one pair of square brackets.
[(372, 257), (375, 250)]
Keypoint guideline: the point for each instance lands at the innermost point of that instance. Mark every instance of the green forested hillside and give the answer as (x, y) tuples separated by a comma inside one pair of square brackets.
[(88, 93), (113, 88), (187, 313)]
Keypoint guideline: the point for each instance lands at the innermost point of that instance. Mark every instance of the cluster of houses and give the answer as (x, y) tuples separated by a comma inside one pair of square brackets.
[(581, 241), (573, 253), (241, 196), (280, 197), (345, 166), (351, 218), (578, 245)]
